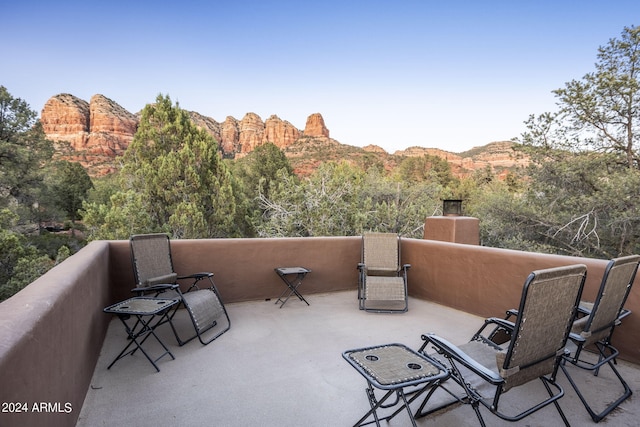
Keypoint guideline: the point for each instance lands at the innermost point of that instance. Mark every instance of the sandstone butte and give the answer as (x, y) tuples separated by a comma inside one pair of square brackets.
[(99, 131)]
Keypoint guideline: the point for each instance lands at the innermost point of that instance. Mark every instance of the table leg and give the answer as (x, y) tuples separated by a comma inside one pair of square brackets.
[(400, 396), (292, 288), (375, 404), (146, 329)]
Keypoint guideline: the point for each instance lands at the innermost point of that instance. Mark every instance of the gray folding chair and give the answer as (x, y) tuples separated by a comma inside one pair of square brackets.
[(382, 281), (485, 370), (591, 347), (154, 273)]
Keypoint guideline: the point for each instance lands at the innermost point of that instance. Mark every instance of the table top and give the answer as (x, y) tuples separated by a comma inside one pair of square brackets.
[(392, 366), (292, 270), (141, 305)]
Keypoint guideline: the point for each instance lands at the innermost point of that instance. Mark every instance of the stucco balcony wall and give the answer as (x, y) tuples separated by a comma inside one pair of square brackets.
[(52, 331), (244, 268)]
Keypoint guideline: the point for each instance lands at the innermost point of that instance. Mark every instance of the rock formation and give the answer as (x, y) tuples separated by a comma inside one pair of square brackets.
[(100, 130), (96, 131), (500, 156), (315, 126), (207, 123), (280, 132), (229, 136), (251, 129), (66, 118), (111, 127)]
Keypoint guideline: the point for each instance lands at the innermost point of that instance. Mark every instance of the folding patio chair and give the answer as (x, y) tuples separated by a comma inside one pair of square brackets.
[(485, 371), (382, 281), (154, 273), (592, 333)]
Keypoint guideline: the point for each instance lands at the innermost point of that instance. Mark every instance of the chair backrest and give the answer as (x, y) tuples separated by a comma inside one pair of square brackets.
[(614, 290), (381, 253), (548, 306), (151, 259)]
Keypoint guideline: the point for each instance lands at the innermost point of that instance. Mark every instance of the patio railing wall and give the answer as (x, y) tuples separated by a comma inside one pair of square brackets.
[(51, 332)]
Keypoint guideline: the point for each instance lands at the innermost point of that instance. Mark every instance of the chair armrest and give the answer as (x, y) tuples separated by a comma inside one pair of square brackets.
[(511, 312), (586, 311), (579, 341), (502, 323), (449, 350), (624, 313), (406, 266), (499, 325), (199, 276), (576, 338), (361, 266), (583, 311), (156, 288), (507, 324)]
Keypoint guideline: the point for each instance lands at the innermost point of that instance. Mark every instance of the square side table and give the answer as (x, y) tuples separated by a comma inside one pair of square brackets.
[(292, 277), (393, 367), (144, 310)]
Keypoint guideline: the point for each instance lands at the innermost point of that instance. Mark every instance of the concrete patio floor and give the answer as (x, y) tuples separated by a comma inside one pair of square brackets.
[(284, 367)]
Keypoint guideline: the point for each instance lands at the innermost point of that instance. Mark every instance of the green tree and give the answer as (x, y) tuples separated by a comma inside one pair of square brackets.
[(600, 111), (173, 177), (580, 197), (103, 188), (425, 168), (265, 165), (582, 204), (24, 153), (324, 204), (125, 214), (398, 206), (20, 262), (69, 186), (340, 199), (254, 175)]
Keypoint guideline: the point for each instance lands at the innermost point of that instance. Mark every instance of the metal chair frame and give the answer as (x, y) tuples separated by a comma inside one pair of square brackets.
[(167, 284), (535, 349), (593, 332), (380, 269)]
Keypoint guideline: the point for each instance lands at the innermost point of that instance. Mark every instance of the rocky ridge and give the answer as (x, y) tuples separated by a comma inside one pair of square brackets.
[(99, 131)]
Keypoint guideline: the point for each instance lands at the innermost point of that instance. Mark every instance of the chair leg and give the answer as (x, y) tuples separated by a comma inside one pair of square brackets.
[(360, 291), (476, 408), (420, 412), (475, 400), (199, 332), (598, 416), (471, 398), (555, 402), (226, 315)]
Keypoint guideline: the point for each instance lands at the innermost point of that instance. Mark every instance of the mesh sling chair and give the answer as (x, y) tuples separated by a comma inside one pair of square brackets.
[(382, 281), (154, 273), (595, 329), (485, 371)]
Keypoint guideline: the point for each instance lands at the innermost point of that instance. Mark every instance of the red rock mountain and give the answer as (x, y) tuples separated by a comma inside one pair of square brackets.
[(100, 130), (96, 131), (315, 126)]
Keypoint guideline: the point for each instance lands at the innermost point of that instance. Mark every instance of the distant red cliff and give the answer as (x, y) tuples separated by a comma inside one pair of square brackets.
[(100, 130)]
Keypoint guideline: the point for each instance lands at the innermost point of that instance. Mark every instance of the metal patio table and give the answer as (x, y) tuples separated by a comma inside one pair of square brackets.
[(144, 310), (394, 367), (292, 277)]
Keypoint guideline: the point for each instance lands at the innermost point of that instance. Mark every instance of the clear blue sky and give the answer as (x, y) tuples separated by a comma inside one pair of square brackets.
[(445, 74)]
